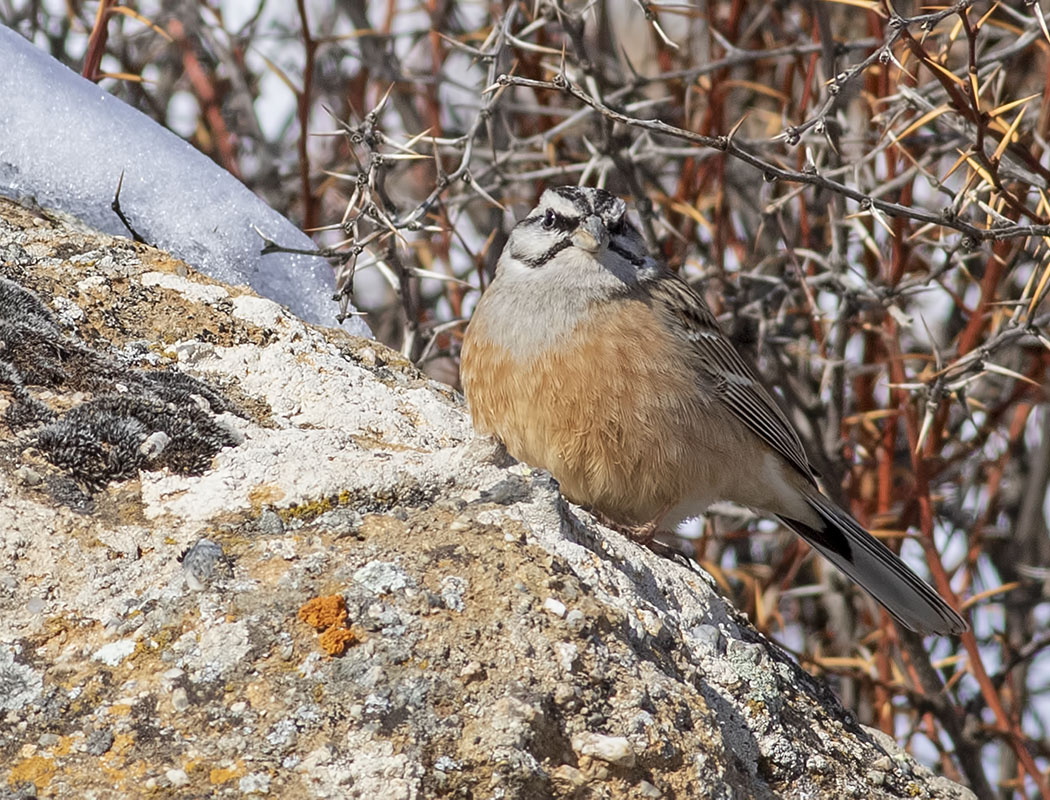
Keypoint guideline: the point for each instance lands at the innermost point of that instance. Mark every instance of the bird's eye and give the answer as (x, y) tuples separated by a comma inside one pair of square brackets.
[(549, 219)]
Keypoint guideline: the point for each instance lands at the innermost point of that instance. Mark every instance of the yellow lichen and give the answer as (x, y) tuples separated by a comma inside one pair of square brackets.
[(309, 510), (64, 746), (36, 770), (224, 774), (312, 509)]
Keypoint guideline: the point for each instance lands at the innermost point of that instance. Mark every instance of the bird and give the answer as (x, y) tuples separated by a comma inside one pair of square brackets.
[(588, 357)]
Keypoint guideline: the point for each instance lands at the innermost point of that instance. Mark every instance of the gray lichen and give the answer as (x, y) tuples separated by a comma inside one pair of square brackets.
[(19, 684)]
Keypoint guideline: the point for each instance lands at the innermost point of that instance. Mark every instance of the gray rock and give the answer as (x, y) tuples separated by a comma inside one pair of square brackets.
[(203, 562), (98, 741)]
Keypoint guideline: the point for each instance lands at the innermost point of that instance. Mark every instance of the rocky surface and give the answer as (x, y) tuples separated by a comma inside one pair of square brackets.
[(243, 556)]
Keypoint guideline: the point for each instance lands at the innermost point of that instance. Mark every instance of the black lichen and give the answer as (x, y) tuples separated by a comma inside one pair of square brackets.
[(103, 439), (134, 418)]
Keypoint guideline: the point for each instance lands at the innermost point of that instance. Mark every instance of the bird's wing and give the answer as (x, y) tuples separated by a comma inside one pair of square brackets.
[(838, 537), (725, 372)]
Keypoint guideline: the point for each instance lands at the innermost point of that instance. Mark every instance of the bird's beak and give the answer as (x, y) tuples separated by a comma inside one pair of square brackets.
[(591, 235)]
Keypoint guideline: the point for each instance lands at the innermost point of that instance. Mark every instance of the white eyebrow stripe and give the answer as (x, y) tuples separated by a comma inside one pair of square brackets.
[(561, 205)]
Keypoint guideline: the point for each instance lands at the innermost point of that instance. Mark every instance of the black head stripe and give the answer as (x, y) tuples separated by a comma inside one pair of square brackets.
[(594, 201), (575, 195), (565, 224), (532, 262), (604, 203), (552, 224)]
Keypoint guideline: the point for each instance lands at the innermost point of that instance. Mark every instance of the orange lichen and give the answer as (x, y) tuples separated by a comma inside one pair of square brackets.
[(64, 746), (335, 640), (328, 614), (113, 761), (324, 612)]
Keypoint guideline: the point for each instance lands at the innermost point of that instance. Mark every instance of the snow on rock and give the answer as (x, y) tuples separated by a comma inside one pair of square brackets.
[(64, 142)]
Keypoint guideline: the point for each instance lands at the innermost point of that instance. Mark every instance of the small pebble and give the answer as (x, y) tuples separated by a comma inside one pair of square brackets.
[(98, 742), (367, 356), (27, 476), (255, 783), (180, 701), (610, 749), (472, 671), (154, 444), (270, 522), (576, 619), (555, 607), (646, 789)]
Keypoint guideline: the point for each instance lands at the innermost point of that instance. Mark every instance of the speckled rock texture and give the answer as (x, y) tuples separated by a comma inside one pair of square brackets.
[(184, 467)]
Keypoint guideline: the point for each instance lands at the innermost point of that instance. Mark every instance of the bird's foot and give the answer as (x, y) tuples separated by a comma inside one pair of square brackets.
[(644, 534)]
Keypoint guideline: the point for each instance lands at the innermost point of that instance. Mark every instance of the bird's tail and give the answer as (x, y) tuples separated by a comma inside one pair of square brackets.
[(842, 541)]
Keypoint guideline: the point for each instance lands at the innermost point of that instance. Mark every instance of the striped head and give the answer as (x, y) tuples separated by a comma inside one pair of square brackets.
[(578, 238), (573, 252)]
